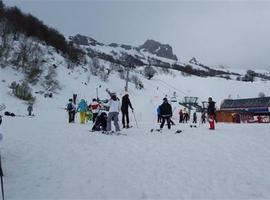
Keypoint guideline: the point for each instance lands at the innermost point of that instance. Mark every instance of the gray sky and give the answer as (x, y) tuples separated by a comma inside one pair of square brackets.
[(231, 33)]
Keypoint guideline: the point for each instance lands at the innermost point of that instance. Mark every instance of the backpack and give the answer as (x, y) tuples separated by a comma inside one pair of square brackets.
[(69, 107)]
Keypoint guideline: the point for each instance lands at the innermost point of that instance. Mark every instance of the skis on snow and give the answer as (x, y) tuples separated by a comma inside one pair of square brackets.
[(117, 133), (160, 131)]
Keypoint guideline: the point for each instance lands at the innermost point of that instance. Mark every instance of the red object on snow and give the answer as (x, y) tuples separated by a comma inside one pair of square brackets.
[(211, 121)]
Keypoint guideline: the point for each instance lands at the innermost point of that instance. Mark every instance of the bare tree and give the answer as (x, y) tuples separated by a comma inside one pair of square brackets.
[(149, 72), (261, 94)]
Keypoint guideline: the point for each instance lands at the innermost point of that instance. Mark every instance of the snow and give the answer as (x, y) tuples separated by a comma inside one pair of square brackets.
[(44, 157), (66, 161)]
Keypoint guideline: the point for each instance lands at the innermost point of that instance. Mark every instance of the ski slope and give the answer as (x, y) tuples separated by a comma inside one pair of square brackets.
[(44, 157)]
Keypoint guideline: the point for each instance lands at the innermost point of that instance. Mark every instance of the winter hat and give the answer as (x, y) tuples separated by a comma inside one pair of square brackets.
[(165, 99), (70, 100), (126, 93)]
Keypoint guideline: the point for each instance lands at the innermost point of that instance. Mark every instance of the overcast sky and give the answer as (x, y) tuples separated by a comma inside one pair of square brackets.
[(230, 33)]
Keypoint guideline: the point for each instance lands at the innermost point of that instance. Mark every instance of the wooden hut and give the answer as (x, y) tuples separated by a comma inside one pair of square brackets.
[(243, 110)]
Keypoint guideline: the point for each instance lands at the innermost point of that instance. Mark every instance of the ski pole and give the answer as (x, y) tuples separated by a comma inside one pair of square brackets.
[(2, 183), (135, 119)]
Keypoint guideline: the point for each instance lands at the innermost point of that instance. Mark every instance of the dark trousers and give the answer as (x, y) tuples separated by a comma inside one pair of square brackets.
[(71, 116), (30, 112), (159, 119), (125, 118), (95, 116), (168, 119)]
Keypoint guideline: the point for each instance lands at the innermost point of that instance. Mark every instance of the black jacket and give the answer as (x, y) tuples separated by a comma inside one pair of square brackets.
[(125, 104), (211, 108), (166, 110)]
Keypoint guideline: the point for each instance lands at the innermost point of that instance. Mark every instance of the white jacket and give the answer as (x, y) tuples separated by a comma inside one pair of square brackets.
[(114, 105)]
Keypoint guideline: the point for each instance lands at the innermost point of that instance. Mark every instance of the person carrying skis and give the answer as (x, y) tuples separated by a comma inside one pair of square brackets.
[(124, 109), (95, 107), (165, 113), (71, 111), (114, 109), (30, 109), (74, 98), (82, 108), (211, 113)]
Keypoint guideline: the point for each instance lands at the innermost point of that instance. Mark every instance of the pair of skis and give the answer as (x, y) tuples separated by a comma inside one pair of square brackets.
[(117, 133), (160, 131)]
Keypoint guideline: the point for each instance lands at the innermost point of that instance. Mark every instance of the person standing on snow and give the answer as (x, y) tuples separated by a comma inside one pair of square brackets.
[(194, 118), (82, 108), (211, 113), (71, 111), (203, 117), (165, 113), (124, 109), (95, 107), (30, 109), (181, 116), (114, 104)]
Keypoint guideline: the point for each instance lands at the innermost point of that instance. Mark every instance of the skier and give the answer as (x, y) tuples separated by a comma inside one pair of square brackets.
[(95, 107), (203, 118), (30, 109), (166, 113), (124, 109), (211, 113), (114, 109), (158, 114), (185, 116), (194, 118), (181, 116), (71, 111), (100, 123), (82, 108)]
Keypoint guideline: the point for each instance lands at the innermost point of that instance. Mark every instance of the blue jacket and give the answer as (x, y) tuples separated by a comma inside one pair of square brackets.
[(82, 107), (158, 110)]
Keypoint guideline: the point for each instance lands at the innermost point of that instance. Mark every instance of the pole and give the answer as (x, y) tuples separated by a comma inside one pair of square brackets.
[(97, 92), (135, 119), (2, 182)]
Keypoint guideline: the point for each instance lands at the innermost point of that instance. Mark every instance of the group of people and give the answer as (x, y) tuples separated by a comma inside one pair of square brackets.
[(100, 119), (164, 113), (183, 116)]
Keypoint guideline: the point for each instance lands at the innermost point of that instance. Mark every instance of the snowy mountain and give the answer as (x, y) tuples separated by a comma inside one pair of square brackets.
[(153, 53)]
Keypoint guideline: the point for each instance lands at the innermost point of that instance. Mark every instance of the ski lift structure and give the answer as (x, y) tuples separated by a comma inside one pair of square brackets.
[(174, 97), (190, 103)]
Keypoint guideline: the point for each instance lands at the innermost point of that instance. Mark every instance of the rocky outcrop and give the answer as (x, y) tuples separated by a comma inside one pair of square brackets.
[(84, 40), (158, 49)]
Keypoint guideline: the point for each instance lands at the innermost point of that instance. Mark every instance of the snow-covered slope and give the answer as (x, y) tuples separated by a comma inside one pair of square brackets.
[(44, 157)]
